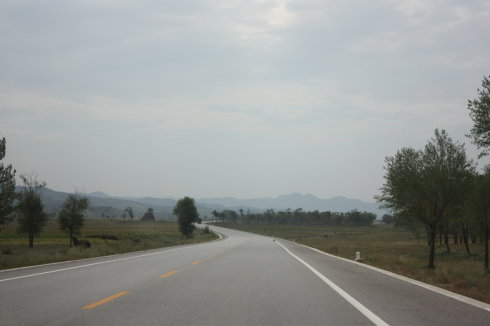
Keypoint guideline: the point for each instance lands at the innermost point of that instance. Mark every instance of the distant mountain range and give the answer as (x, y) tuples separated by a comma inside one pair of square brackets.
[(102, 204)]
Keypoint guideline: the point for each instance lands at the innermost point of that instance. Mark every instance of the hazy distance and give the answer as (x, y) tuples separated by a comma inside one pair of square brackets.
[(245, 99)]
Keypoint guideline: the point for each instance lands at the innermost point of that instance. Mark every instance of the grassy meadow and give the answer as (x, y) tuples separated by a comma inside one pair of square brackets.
[(392, 249), (53, 246)]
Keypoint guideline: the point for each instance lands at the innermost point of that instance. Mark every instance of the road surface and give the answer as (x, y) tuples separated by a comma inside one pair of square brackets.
[(243, 279)]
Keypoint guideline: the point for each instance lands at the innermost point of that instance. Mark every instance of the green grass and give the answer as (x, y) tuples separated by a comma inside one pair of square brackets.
[(391, 249), (53, 246)]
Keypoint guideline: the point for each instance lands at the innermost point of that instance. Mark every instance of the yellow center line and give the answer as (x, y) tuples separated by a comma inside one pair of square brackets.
[(211, 256), (197, 262), (112, 297), (169, 273)]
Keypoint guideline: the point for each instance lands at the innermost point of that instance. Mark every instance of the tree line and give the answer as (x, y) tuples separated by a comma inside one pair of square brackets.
[(296, 217), (438, 191), (27, 207)]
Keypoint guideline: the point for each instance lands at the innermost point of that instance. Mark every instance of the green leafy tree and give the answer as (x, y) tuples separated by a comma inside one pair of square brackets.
[(149, 216), (186, 213), (480, 114), (70, 218), (31, 218), (7, 186), (388, 219), (424, 184), (129, 210), (480, 208)]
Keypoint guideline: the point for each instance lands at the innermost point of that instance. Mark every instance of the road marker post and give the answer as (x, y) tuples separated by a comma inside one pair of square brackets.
[(358, 256)]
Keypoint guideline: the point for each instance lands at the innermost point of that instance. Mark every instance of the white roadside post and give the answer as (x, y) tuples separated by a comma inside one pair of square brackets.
[(358, 256)]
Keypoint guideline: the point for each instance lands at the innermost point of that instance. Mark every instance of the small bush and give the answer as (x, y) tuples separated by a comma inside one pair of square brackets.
[(206, 230), (6, 251)]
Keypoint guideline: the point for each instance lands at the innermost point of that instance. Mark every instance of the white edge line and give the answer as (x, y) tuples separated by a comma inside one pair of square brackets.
[(359, 306), (433, 288), (102, 262), (447, 293)]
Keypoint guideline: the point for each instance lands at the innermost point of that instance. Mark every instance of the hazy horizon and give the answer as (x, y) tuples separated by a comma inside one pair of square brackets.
[(220, 197), (242, 99)]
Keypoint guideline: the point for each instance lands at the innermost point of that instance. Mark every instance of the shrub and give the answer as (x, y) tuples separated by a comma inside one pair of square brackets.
[(6, 251)]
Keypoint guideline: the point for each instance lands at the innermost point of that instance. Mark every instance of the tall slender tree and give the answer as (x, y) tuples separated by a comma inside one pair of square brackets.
[(129, 210), (480, 114), (480, 207), (7, 186), (71, 218), (32, 218)]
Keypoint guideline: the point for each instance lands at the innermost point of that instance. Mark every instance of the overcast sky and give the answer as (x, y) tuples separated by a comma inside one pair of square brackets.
[(233, 98)]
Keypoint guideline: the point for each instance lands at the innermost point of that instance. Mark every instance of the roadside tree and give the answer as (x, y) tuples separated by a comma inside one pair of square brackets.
[(480, 114), (480, 208), (70, 218), (186, 212), (31, 218), (388, 219), (7, 186), (423, 184)]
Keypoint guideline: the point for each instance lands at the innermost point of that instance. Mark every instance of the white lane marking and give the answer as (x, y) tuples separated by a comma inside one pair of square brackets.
[(105, 262), (447, 293), (365, 311)]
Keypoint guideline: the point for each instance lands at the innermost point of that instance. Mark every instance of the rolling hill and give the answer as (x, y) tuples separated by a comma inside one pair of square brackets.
[(104, 205)]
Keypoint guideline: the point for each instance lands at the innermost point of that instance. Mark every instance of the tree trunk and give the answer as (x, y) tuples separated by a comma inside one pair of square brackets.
[(432, 246), (486, 236), (473, 238), (465, 239), (71, 238), (446, 240), (31, 239)]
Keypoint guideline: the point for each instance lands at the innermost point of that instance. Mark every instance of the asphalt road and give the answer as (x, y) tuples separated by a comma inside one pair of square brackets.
[(243, 279)]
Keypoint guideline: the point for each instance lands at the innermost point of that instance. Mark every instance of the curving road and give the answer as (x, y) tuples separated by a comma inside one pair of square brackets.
[(243, 279)]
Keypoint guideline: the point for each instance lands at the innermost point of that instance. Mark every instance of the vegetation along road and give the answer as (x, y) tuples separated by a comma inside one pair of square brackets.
[(243, 279)]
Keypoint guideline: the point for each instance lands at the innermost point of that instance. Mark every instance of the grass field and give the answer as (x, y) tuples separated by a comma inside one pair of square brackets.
[(391, 249), (53, 246)]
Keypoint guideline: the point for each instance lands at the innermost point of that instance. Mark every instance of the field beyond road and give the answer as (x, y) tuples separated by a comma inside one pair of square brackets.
[(392, 249), (107, 237)]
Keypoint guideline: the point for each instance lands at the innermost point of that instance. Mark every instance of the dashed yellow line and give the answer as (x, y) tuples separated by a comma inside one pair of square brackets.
[(98, 303), (197, 262), (211, 256), (169, 273)]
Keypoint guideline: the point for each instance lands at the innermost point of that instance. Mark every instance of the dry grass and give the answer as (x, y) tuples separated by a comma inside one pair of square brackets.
[(392, 249), (53, 246)]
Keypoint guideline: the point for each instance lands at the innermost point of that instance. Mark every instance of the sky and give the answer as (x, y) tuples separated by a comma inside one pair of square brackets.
[(233, 98)]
